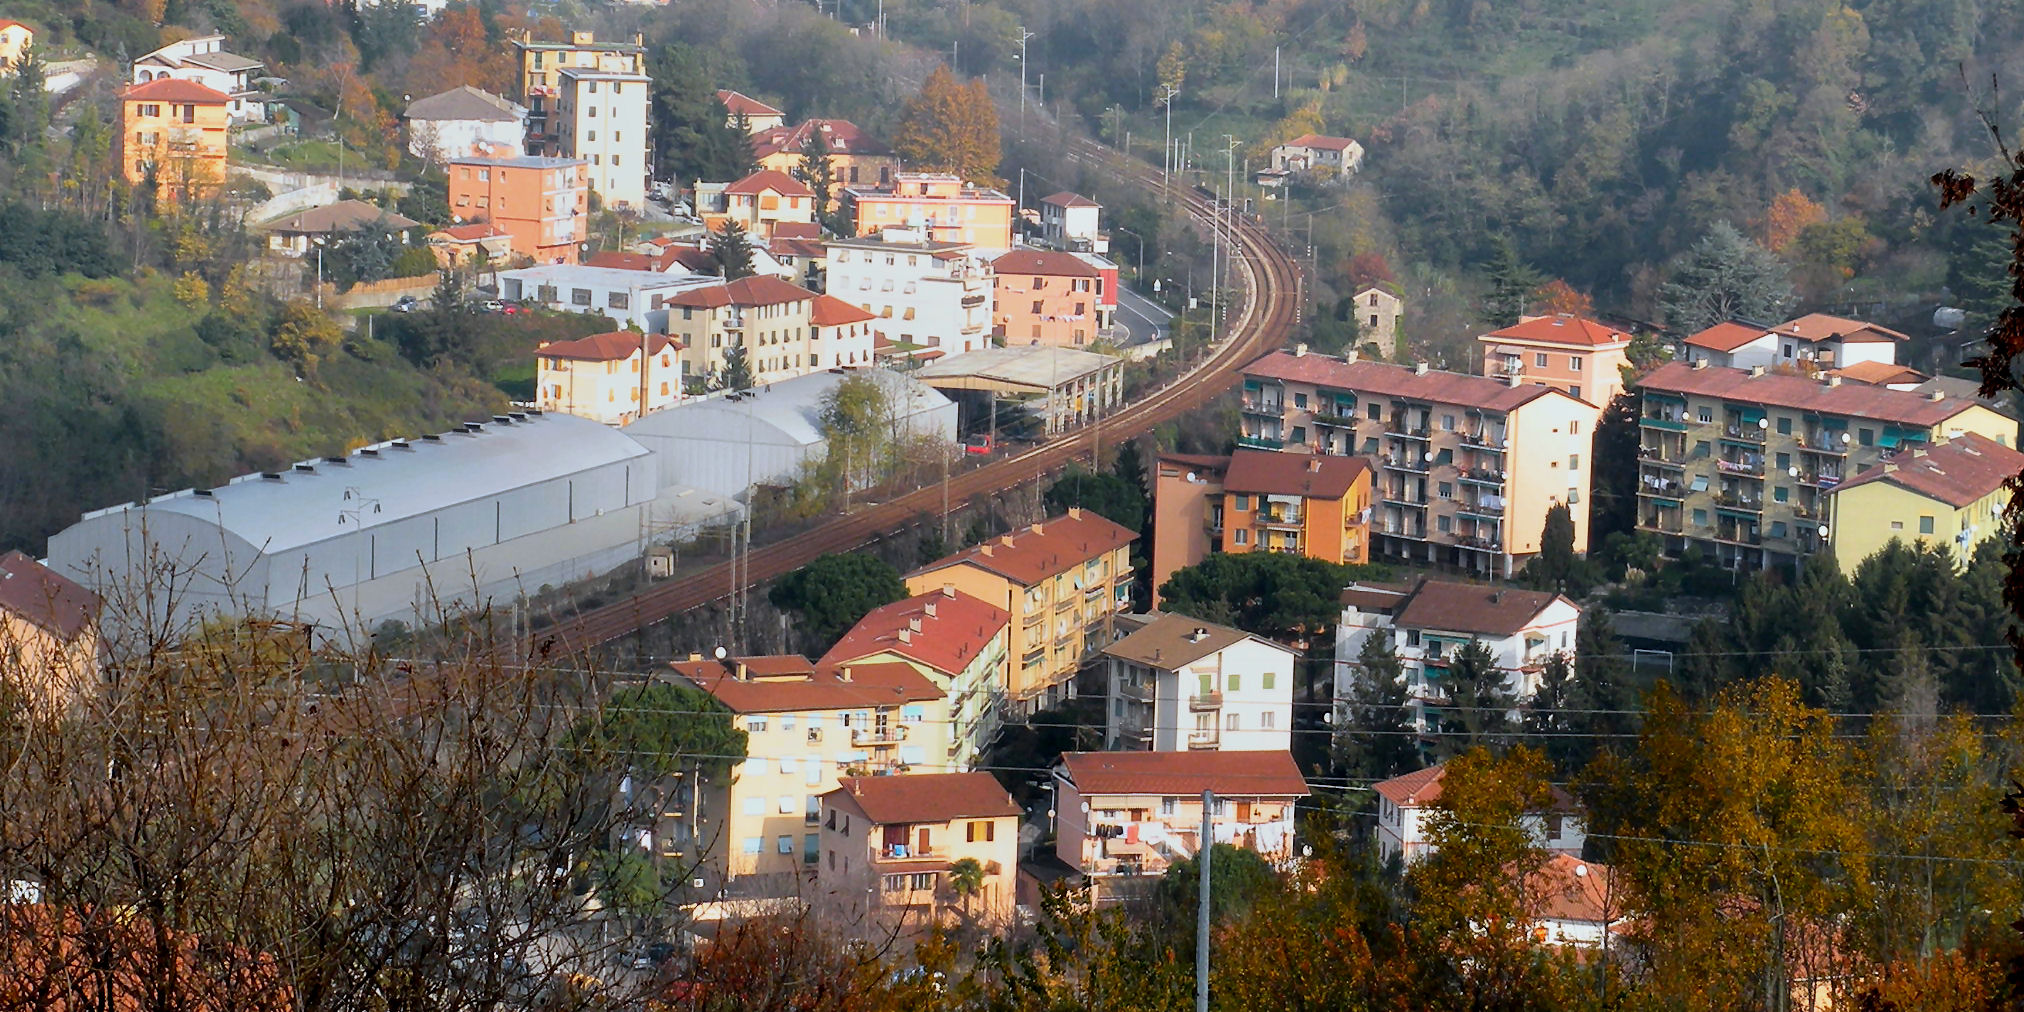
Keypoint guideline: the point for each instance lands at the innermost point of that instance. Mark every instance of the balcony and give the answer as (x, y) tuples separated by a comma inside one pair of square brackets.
[(1739, 537), (1730, 501), (1480, 544), (1398, 497), (1482, 476), (1137, 693), (1662, 489), (1263, 406), (891, 734), (1483, 440), (1334, 420), (1825, 443), (1281, 518), (1398, 426), (973, 301), (1261, 442), (1481, 511), (1203, 740), (1414, 463), (1819, 479), (1743, 467), (1739, 433), (1662, 526), (1662, 456), (1668, 423), (1204, 701)]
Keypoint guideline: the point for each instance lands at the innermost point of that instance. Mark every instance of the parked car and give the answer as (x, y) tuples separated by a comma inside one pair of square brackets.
[(405, 304), (492, 306), (982, 442)]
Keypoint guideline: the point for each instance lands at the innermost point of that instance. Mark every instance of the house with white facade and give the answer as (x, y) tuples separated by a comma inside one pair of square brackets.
[(465, 121), (1121, 818), (1179, 684), (202, 59), (601, 117), (766, 198), (1312, 152), (1429, 620), (605, 378), (1069, 221), (1812, 342), (635, 299), (1571, 903), (757, 115), (929, 294), (1405, 809)]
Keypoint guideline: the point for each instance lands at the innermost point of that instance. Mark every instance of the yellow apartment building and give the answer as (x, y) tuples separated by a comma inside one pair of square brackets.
[(890, 845), (174, 132), (541, 83), (601, 377), (1063, 582), (941, 205), (1950, 493), (958, 642), (773, 321)]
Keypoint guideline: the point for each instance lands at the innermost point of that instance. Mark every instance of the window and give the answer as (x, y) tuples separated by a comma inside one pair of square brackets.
[(1241, 536), (591, 136), (1781, 494), (786, 844), (618, 300), (1784, 461), (1266, 721), (1705, 414), (1236, 682), (1700, 518), (1376, 413), (579, 296), (811, 848), (1784, 429), (1269, 678), (1300, 434), (754, 724), (1243, 502), (1866, 437), (1574, 462), (1574, 362), (1574, 427), (1539, 360), (1574, 391), (1897, 525), (982, 831), (1412, 637), (1925, 525), (1777, 528), (754, 806), (755, 767), (1208, 684), (1300, 401), (1236, 722), (1444, 524), (1445, 490), (1373, 319), (1036, 307), (753, 844), (1169, 806)]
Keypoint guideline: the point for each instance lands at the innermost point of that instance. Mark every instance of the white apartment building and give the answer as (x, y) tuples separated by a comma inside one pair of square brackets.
[(604, 378), (203, 60), (1430, 620), (920, 292), (1405, 811), (601, 117), (465, 121), (1179, 684), (636, 299), (1070, 221)]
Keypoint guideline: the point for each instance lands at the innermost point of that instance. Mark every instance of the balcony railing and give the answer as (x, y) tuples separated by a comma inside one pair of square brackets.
[(1482, 476), (1203, 701), (1825, 443), (1662, 489), (891, 734), (1482, 440), (1739, 537), (1334, 420), (1819, 479), (1416, 463), (1480, 510), (1290, 517), (1262, 406), (1261, 442), (1670, 423), (1662, 457), (1480, 544), (1140, 693), (1398, 497), (1663, 527), (1736, 502), (1741, 467), (1202, 739)]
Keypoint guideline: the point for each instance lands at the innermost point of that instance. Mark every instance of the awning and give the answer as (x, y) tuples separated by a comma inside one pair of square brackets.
[(1700, 483), (1752, 416)]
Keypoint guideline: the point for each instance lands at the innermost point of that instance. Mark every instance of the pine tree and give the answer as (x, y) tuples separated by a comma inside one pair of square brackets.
[(1480, 697), (1725, 276), (817, 168), (731, 251), (737, 371), (1512, 282), (1375, 738)]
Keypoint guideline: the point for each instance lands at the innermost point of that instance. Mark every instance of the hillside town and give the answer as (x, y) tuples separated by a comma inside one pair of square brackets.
[(667, 506)]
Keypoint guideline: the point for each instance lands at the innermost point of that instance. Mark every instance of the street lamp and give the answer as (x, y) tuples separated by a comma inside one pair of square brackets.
[(319, 240), (1141, 248)]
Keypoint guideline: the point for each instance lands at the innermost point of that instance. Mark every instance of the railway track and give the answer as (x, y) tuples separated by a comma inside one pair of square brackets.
[(1271, 286)]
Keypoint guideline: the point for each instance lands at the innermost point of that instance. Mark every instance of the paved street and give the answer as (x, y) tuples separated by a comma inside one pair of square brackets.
[(1146, 319)]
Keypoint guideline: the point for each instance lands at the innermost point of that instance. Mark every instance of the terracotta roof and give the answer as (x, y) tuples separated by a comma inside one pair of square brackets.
[(1784, 390), (342, 216), (738, 102), (831, 311), (114, 959), (790, 684), (1822, 327), (757, 290), (10, 23), (1053, 263), (41, 596), (1034, 553), (465, 103), (171, 89), (813, 249), (1387, 380), (620, 260), (1566, 888), (797, 229), (1068, 199), (1207, 462), (1176, 774), (1321, 141), (1415, 789), (1560, 329), (1309, 476), (471, 233), (770, 179), (1880, 374), (1469, 608), (925, 797), (1376, 597), (840, 136), (613, 347), (1171, 642), (1956, 472), (1726, 336), (942, 629)]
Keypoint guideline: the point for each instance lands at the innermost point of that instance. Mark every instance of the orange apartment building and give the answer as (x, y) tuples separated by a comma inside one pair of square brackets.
[(1259, 501), (1052, 297), (1571, 354), (891, 844), (543, 203), (174, 132), (944, 207)]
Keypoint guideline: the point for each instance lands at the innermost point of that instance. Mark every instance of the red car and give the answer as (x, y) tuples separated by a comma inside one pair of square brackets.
[(981, 443)]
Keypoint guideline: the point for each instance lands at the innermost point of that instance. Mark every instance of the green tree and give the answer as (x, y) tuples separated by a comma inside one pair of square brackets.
[(1612, 499), (858, 424), (737, 371), (1725, 276), (658, 729), (1479, 695), (817, 168), (950, 127), (1106, 495), (966, 880), (693, 134), (1273, 594), (832, 593), (303, 336), (1603, 684), (731, 251), (1557, 567), (1512, 282), (1375, 738), (629, 881), (1238, 877)]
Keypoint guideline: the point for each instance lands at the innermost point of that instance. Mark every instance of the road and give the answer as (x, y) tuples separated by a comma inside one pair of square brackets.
[(1147, 320), (1263, 321)]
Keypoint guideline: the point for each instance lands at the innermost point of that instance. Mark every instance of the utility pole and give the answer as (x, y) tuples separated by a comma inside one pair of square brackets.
[(1205, 845), (1167, 171), (1275, 71), (1229, 197), (1024, 35)]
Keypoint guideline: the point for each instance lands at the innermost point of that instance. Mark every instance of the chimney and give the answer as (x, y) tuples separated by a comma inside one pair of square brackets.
[(984, 550), (1419, 368), (1201, 633), (1496, 597), (929, 609), (948, 590), (1700, 363), (1074, 513), (906, 636), (1300, 350), (1514, 379), (1007, 539), (1935, 395), (1756, 370), (1313, 465), (1156, 653), (693, 658), (843, 673), (914, 624), (1834, 381), (738, 671)]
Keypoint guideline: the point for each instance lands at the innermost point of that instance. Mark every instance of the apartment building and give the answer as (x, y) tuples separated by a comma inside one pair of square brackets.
[(541, 84), (1564, 351), (959, 642), (1465, 468), (771, 320), (1063, 581), (1121, 818), (465, 121), (606, 378), (1406, 804), (1053, 297), (856, 158), (1429, 620), (635, 300), (543, 203), (1743, 462), (1070, 221), (1380, 317), (843, 335), (1950, 493), (202, 59), (1257, 500), (940, 204), (807, 725), (923, 293), (600, 116), (172, 133), (1179, 684), (891, 846), (1814, 342)]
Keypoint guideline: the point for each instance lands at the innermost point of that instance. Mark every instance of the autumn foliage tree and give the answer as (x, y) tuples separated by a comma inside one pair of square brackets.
[(1789, 214), (950, 127), (1557, 296)]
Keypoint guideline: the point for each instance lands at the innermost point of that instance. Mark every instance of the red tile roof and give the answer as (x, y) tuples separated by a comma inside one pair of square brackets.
[(1726, 336), (841, 136), (1311, 476), (613, 347), (471, 233), (1388, 380), (1822, 327), (1880, 373), (941, 629), (770, 179), (44, 598), (1203, 461), (796, 229), (10, 23), (1785, 390), (1320, 141), (924, 797), (831, 311), (1419, 788), (1566, 888), (757, 290), (1470, 608), (737, 102), (1179, 774), (1956, 472), (791, 684), (1032, 554), (1068, 199), (172, 89), (623, 261), (1049, 262), (813, 249), (1561, 329)]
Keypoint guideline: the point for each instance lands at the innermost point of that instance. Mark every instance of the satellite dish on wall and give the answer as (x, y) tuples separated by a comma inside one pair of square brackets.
[(1193, 478), (720, 653)]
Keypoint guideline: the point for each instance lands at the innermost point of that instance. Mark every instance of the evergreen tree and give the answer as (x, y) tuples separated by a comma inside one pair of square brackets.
[(1547, 716), (694, 136), (1709, 662), (737, 371), (1725, 276), (1556, 567), (835, 591), (1106, 495), (1512, 282), (817, 168), (1375, 738), (1978, 258), (1612, 499), (1480, 700), (731, 251)]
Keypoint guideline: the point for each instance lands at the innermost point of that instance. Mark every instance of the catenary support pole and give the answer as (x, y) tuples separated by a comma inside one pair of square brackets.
[(1205, 845)]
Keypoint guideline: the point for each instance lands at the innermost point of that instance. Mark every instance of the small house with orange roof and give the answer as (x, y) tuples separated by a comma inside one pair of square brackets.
[(606, 378), (842, 334), (15, 38), (766, 197), (892, 847), (1318, 153), (1406, 804), (742, 108), (958, 642), (856, 158), (478, 242), (1815, 342), (1563, 351)]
